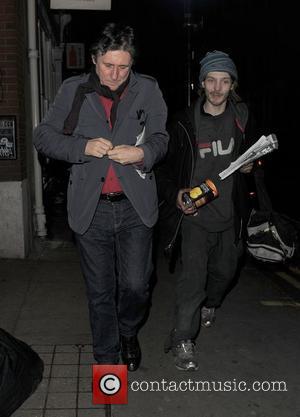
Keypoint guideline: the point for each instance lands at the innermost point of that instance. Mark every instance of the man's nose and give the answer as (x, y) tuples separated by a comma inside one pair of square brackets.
[(218, 86), (115, 73)]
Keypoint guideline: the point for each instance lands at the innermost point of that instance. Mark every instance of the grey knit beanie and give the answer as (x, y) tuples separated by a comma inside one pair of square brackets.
[(217, 61)]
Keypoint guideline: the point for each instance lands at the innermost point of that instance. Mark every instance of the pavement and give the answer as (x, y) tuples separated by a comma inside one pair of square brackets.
[(248, 361)]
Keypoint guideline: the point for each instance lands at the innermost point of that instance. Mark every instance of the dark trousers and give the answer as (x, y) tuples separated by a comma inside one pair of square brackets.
[(116, 260), (209, 263)]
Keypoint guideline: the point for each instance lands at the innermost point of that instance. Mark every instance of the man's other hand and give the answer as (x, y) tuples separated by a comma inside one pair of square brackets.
[(246, 169), (126, 154), (179, 203), (98, 147)]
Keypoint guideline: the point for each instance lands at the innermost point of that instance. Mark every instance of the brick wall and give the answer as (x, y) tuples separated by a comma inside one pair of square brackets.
[(13, 76)]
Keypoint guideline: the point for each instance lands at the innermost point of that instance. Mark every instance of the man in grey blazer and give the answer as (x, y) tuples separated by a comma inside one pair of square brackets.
[(110, 126)]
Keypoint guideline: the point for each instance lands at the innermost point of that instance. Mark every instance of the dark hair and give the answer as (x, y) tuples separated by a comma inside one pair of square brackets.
[(114, 37)]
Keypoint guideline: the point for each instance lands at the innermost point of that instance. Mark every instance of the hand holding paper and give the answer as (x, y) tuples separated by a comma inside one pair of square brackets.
[(263, 146)]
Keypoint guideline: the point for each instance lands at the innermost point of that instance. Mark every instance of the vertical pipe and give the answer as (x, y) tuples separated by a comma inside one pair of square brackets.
[(188, 27), (40, 218)]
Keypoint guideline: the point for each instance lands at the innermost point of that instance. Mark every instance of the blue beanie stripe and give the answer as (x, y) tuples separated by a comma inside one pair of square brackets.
[(217, 61)]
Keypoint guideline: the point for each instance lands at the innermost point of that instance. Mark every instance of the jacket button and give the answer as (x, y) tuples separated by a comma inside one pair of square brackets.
[(151, 176)]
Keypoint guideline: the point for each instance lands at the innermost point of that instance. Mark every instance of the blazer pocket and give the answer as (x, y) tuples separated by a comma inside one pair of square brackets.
[(77, 173)]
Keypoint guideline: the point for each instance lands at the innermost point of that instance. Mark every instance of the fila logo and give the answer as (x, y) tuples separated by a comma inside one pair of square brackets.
[(215, 147)]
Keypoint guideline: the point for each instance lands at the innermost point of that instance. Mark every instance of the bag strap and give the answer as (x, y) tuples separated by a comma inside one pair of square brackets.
[(263, 197)]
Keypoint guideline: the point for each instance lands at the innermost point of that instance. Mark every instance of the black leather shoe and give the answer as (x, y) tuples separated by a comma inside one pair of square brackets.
[(131, 352)]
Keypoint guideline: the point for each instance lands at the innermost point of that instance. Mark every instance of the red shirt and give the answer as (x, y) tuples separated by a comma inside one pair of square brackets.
[(112, 183)]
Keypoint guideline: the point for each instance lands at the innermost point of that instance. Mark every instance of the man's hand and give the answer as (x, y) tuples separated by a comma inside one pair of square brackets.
[(246, 169), (179, 203), (126, 154), (98, 147)]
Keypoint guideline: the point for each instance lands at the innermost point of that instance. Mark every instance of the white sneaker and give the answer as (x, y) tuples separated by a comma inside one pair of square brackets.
[(184, 356)]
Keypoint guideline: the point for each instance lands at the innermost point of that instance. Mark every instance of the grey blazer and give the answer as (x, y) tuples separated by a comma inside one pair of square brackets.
[(141, 120)]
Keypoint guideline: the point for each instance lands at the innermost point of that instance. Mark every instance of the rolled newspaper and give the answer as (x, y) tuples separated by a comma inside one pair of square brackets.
[(263, 146)]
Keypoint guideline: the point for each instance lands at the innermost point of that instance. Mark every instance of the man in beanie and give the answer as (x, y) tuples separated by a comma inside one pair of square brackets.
[(204, 139)]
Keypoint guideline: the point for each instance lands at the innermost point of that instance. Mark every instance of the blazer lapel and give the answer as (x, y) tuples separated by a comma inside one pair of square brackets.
[(126, 102), (94, 101), (124, 105)]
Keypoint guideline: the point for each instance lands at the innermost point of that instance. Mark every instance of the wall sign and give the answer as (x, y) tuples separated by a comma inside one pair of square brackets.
[(81, 4), (8, 137), (75, 56)]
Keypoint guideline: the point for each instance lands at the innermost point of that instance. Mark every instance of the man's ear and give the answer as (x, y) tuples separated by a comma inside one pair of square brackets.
[(202, 84), (94, 59), (234, 85)]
